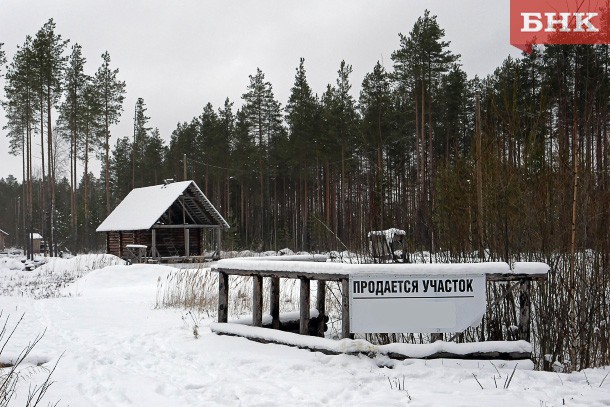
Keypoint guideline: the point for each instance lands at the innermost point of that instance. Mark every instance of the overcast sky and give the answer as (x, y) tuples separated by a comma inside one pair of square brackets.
[(178, 55)]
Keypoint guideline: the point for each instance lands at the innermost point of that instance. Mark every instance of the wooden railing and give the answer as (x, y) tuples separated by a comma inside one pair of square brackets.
[(322, 272)]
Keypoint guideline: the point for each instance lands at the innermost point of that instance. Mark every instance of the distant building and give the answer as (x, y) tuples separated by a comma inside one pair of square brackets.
[(37, 243), (3, 236), (166, 221)]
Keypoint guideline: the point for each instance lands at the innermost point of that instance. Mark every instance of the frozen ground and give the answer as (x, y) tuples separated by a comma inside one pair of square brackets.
[(115, 349)]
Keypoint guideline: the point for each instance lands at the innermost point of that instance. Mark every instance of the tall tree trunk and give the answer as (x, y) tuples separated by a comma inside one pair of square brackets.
[(107, 159), (479, 170), (573, 324), (43, 204), (86, 190), (50, 176)]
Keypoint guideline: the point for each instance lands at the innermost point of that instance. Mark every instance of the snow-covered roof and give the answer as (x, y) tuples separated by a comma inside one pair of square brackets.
[(36, 236), (3, 232), (388, 233), (144, 207)]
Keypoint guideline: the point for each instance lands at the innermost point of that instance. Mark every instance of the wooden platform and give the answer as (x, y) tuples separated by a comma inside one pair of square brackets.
[(491, 350)]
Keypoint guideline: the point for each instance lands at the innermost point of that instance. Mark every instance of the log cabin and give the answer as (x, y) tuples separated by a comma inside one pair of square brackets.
[(166, 223)]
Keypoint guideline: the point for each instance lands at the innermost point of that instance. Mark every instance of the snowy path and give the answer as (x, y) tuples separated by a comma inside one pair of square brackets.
[(119, 351)]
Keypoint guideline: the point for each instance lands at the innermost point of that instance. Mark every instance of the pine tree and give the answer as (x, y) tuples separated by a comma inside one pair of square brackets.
[(264, 123), (303, 119), (376, 109), (340, 123), (2, 58), (72, 111), (121, 167), (140, 138), (92, 142), (48, 48), (112, 94), (20, 108), (153, 158), (419, 65)]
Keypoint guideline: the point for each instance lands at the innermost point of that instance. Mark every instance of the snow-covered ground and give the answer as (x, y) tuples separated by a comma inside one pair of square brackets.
[(114, 348)]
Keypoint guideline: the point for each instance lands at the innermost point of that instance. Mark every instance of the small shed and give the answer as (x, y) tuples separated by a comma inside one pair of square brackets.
[(387, 246), (169, 222), (3, 236), (37, 243)]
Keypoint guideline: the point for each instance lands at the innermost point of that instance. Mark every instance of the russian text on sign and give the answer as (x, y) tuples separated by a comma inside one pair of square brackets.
[(415, 303)]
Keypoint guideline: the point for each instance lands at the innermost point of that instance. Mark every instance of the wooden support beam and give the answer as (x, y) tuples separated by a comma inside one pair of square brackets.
[(321, 306), (219, 240), (257, 301), (153, 246), (284, 274), (189, 226), (187, 243), (304, 306), (274, 302), (524, 310), (223, 297), (345, 327)]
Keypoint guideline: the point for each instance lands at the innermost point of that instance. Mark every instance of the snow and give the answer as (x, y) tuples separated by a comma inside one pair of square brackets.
[(347, 269), (142, 207), (288, 257), (530, 268), (113, 348), (315, 267), (388, 233), (361, 346)]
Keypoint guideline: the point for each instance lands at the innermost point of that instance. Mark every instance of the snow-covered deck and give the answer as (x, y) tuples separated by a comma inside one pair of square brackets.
[(491, 350), (322, 272), (316, 270)]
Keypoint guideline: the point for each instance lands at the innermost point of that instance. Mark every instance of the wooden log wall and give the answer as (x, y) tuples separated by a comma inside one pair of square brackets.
[(116, 242), (170, 242)]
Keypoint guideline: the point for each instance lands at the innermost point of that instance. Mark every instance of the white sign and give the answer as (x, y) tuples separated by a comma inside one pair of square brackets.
[(416, 302)]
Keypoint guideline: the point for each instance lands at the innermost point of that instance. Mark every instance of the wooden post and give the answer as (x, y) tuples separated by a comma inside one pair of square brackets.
[(186, 243), (153, 246), (345, 328), (321, 306), (257, 301), (524, 310), (304, 306), (223, 297), (274, 302), (219, 240)]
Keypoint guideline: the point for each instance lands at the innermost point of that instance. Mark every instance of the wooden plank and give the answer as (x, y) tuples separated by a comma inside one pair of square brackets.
[(516, 277), (257, 301), (321, 306), (223, 297), (283, 274), (274, 302), (304, 306), (187, 251), (524, 310), (327, 276), (189, 226), (259, 336), (345, 327)]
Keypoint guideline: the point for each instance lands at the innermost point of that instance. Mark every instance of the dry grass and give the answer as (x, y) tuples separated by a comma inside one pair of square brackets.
[(197, 290)]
